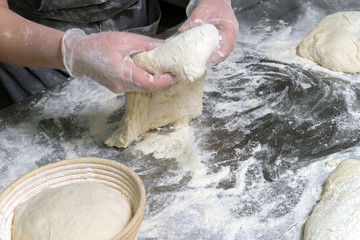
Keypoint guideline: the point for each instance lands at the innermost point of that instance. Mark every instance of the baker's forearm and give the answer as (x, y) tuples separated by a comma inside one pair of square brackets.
[(104, 57), (28, 44)]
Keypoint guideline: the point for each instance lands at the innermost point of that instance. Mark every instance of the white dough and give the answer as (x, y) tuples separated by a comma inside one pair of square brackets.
[(337, 215), (76, 211), (334, 42), (185, 56), (145, 111)]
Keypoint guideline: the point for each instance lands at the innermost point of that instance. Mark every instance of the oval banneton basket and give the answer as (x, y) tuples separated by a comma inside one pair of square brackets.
[(97, 170)]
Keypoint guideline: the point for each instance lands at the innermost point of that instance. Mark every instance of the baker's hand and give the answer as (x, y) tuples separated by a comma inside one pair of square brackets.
[(105, 57), (220, 14)]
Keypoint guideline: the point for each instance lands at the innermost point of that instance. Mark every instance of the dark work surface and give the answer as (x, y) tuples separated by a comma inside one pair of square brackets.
[(252, 166)]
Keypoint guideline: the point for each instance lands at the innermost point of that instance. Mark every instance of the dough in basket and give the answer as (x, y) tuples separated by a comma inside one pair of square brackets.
[(76, 211)]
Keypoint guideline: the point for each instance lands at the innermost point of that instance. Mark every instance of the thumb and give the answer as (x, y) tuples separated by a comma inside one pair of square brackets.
[(190, 23), (151, 43), (141, 44)]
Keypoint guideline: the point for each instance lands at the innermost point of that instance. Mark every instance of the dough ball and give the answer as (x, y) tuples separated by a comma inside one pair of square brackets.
[(337, 215), (334, 42), (77, 211)]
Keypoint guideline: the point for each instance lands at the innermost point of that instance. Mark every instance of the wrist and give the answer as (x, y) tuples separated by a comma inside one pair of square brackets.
[(69, 43)]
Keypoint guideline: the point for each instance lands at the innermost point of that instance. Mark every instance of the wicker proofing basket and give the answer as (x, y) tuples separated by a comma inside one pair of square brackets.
[(97, 170)]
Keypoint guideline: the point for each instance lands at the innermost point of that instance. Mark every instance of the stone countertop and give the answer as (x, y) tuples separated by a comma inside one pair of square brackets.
[(252, 166)]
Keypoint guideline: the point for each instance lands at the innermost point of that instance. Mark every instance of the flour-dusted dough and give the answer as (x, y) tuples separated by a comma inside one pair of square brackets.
[(185, 56), (334, 42), (337, 215), (145, 111), (77, 211)]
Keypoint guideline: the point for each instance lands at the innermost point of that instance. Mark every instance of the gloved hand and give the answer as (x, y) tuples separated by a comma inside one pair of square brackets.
[(106, 58), (220, 14)]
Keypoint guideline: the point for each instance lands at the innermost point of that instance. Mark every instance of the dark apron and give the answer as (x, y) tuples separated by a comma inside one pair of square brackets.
[(137, 16)]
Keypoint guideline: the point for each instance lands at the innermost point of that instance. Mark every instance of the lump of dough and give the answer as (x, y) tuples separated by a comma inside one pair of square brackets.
[(145, 111), (334, 42), (337, 215), (185, 56), (76, 211)]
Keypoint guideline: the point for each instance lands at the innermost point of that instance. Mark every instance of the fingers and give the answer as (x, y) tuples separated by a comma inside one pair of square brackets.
[(198, 17), (160, 81), (228, 32), (226, 23), (151, 43), (133, 78), (147, 82), (139, 43), (190, 23)]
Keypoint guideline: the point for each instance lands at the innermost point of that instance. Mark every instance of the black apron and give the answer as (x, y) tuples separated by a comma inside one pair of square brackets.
[(137, 16)]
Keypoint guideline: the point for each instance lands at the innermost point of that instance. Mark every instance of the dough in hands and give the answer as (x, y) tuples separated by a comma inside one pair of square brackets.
[(185, 56), (76, 211), (337, 215), (334, 42)]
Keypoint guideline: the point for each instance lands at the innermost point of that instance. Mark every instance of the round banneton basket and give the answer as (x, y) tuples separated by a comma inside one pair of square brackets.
[(97, 170)]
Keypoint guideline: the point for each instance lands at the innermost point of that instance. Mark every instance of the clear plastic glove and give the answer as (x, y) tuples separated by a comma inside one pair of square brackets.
[(106, 58), (220, 14)]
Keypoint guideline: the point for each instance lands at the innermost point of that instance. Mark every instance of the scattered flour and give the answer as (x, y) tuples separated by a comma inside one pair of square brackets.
[(181, 145)]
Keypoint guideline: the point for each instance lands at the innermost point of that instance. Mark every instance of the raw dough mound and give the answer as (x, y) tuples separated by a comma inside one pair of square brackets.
[(337, 215), (185, 56), (77, 211), (334, 42)]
